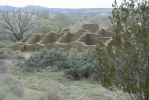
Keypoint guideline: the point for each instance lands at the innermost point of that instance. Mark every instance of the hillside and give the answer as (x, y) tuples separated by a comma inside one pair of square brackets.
[(81, 11)]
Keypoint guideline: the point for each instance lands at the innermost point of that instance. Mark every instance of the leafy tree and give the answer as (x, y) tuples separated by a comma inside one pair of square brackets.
[(16, 22), (124, 62)]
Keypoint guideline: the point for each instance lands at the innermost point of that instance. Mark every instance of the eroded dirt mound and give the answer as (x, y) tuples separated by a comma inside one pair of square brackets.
[(90, 39), (55, 45), (34, 38), (77, 46), (104, 33), (49, 38), (30, 47), (16, 46), (86, 37), (69, 37), (90, 27), (24, 39)]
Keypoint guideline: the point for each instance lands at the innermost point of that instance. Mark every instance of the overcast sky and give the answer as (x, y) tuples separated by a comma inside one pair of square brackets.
[(60, 3)]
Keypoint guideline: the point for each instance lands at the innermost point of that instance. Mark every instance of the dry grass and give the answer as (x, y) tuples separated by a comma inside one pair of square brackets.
[(14, 89), (49, 83)]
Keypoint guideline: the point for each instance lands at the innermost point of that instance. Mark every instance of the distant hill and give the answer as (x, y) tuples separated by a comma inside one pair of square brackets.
[(81, 11)]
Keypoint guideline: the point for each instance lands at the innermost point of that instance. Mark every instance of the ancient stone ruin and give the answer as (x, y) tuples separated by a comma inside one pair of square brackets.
[(87, 37), (49, 38), (90, 27), (34, 39)]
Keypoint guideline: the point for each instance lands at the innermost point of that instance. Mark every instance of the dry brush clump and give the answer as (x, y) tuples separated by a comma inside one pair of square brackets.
[(16, 46), (10, 89)]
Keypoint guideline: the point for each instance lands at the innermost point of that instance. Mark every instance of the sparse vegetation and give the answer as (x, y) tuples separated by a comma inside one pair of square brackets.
[(13, 89), (49, 54), (77, 65), (46, 58), (10, 89)]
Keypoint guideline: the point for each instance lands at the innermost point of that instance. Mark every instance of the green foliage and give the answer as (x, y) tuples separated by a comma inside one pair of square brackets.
[(46, 58), (83, 66), (5, 53), (4, 43), (124, 63), (75, 64)]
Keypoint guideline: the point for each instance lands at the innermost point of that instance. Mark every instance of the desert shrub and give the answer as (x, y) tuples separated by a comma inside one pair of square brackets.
[(80, 70), (45, 58), (6, 53), (2, 67), (83, 66), (78, 65), (4, 43)]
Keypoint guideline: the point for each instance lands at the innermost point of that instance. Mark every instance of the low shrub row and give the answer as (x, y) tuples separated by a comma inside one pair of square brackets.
[(78, 65)]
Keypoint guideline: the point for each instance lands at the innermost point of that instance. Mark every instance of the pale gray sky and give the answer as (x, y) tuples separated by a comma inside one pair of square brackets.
[(60, 3)]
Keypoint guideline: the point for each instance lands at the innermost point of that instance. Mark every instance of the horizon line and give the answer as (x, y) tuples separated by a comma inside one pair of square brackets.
[(56, 7)]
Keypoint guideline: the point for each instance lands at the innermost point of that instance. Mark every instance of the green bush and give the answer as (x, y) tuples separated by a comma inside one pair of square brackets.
[(83, 66), (124, 62), (5, 53), (5, 43), (45, 58), (78, 65)]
